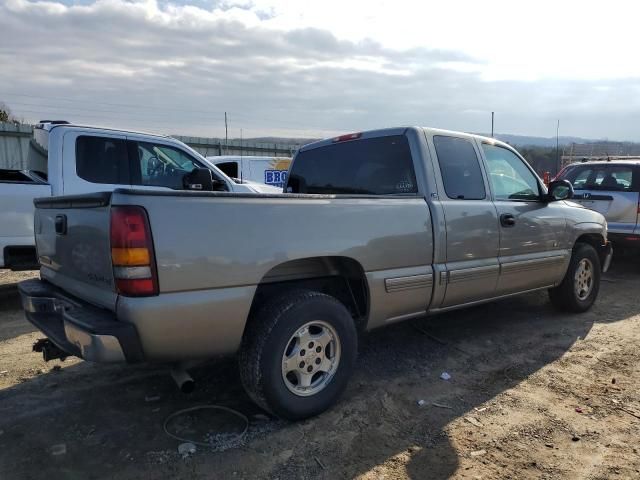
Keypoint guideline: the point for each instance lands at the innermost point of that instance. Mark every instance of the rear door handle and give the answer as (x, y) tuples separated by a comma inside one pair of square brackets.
[(507, 220)]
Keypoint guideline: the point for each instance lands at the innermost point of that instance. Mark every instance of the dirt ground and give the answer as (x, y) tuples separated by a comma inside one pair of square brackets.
[(533, 394)]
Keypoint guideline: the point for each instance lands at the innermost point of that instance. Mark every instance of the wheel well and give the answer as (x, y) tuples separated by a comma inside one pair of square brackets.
[(596, 241), (340, 277)]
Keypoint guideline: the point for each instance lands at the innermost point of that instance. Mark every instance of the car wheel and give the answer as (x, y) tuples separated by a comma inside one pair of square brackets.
[(580, 286), (298, 353)]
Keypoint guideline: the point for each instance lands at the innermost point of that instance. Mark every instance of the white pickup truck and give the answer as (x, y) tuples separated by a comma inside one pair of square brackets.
[(82, 159)]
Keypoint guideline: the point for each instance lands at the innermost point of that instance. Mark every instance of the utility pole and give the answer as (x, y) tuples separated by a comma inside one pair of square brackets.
[(492, 115), (226, 135), (241, 143), (558, 166)]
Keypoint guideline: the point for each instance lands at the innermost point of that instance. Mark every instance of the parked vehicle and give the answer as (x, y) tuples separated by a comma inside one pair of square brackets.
[(17, 191), (87, 159), (613, 189), (268, 170), (378, 227)]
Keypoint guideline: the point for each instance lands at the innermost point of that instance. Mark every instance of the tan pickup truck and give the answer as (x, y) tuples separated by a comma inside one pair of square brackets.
[(372, 228)]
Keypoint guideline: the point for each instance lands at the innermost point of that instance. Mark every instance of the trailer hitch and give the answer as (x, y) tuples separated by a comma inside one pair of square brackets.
[(49, 350)]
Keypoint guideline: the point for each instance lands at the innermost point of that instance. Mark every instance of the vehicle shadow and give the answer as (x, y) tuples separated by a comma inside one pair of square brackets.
[(110, 417), (12, 322)]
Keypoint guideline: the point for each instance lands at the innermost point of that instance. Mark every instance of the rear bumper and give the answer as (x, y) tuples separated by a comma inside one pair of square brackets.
[(78, 328)]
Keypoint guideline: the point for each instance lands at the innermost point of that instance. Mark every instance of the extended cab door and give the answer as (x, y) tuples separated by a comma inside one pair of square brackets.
[(531, 230), (472, 236)]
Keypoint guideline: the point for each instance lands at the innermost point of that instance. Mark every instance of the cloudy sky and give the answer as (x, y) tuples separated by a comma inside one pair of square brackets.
[(313, 68)]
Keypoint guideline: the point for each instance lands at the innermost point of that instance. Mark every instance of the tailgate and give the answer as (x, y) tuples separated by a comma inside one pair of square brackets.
[(72, 239)]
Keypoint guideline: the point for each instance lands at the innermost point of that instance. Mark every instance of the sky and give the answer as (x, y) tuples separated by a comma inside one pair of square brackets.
[(316, 68)]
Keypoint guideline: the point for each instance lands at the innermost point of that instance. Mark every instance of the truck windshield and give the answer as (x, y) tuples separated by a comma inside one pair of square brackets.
[(373, 166)]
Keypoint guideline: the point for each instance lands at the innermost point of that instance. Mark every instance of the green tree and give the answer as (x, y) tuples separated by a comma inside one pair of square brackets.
[(5, 114)]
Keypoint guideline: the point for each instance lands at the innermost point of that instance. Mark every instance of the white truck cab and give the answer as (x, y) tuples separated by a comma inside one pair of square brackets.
[(267, 170), (69, 159)]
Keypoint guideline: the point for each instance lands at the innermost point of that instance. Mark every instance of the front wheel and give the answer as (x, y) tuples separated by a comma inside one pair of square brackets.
[(580, 286), (298, 353)]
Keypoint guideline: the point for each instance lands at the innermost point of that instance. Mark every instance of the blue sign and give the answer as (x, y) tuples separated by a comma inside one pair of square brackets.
[(277, 178)]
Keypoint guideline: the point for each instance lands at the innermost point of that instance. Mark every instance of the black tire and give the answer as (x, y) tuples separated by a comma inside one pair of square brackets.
[(564, 296), (267, 336)]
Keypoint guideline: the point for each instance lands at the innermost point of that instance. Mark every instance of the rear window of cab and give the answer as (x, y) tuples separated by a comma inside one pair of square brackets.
[(372, 166)]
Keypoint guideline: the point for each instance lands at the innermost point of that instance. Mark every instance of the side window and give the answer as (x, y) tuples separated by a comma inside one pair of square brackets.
[(372, 166), (160, 165), (229, 168), (602, 177), (460, 168), (510, 178), (102, 160)]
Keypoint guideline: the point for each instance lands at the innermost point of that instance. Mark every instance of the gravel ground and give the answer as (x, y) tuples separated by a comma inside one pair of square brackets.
[(533, 394)]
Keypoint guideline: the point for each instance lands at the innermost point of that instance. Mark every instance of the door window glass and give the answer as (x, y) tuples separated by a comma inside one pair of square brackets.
[(510, 178), (229, 168), (102, 160), (460, 168), (602, 177), (161, 166)]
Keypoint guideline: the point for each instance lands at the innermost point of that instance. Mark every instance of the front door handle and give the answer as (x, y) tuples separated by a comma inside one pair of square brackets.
[(507, 220)]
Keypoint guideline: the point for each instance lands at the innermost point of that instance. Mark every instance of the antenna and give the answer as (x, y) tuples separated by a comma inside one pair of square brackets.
[(558, 166), (492, 115), (226, 135)]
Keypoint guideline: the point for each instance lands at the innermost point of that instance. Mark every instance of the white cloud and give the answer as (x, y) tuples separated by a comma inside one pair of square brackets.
[(311, 68)]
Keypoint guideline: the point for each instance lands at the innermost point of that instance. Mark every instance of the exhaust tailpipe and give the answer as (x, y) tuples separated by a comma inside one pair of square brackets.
[(183, 380)]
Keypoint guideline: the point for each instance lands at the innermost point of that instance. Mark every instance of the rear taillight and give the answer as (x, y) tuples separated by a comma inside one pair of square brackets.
[(134, 266)]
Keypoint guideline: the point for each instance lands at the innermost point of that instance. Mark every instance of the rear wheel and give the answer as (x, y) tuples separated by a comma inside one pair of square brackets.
[(580, 286), (298, 353)]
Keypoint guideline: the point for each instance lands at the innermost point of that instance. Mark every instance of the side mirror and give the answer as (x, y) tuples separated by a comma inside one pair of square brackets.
[(198, 179), (560, 190)]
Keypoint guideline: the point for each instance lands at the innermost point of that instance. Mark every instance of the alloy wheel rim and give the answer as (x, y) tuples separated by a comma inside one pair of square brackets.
[(311, 358), (583, 279)]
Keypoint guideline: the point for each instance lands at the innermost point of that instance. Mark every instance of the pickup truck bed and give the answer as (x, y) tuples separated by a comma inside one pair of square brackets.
[(226, 282)]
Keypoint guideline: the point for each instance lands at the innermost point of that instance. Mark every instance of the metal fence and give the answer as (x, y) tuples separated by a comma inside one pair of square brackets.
[(14, 146)]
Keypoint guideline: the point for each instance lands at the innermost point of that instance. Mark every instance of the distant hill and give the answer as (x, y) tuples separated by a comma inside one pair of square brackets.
[(515, 140), (527, 141)]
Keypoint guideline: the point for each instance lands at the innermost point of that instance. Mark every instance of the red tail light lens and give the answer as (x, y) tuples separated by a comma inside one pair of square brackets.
[(132, 256)]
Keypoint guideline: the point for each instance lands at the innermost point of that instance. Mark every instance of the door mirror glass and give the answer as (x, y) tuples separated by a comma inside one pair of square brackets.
[(560, 190)]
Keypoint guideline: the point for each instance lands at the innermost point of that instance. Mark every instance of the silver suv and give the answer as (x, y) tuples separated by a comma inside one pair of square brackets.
[(611, 188)]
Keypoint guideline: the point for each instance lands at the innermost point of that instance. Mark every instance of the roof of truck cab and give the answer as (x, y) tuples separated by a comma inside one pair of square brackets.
[(387, 132), (606, 162), (105, 129)]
